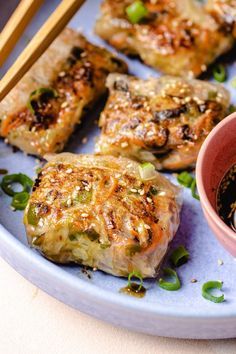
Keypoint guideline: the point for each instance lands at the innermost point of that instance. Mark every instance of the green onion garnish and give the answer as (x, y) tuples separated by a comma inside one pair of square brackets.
[(179, 256), (147, 171), (185, 179), (233, 82), (20, 200), (219, 73), (232, 108), (138, 275), (36, 95), (3, 171), (170, 286), (210, 285), (193, 190), (20, 178), (136, 11)]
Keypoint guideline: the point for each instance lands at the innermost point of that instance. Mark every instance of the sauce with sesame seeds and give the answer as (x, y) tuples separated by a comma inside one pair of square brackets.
[(226, 198), (134, 289)]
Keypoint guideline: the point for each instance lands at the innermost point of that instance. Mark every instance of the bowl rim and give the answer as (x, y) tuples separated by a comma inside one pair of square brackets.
[(200, 184)]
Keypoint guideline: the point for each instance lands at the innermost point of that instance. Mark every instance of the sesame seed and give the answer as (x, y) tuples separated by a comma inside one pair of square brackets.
[(69, 170), (149, 200), (124, 144), (64, 104), (141, 191), (220, 262), (87, 188), (147, 227), (77, 188), (162, 193), (84, 215), (133, 190), (61, 74), (193, 280), (84, 140)]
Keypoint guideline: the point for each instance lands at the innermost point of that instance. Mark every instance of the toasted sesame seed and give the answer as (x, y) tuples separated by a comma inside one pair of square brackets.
[(64, 104), (149, 200), (84, 215), (84, 140), (61, 74), (124, 144), (147, 227), (87, 188), (193, 280), (77, 188), (162, 193), (141, 191), (69, 170), (220, 262), (133, 190)]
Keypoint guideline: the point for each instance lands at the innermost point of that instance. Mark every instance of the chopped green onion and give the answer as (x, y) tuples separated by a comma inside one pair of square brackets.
[(232, 108), (84, 196), (138, 275), (185, 179), (233, 82), (147, 171), (170, 286), (179, 256), (188, 181), (219, 73), (210, 285), (193, 190), (136, 11), (3, 171), (20, 200), (20, 178), (35, 95), (32, 215)]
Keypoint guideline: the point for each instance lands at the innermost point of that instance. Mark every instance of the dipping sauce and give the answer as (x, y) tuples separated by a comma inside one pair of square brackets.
[(134, 289), (226, 198)]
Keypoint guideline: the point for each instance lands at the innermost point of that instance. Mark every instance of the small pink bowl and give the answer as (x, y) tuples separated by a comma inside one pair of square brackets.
[(217, 155)]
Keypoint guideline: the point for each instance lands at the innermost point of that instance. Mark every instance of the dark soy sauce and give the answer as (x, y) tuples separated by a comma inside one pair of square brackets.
[(226, 198), (134, 289)]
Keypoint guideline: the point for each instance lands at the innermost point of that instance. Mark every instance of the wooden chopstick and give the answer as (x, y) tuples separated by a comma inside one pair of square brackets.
[(16, 25), (41, 41)]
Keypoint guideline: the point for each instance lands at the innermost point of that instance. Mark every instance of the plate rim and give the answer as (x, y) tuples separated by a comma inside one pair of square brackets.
[(124, 302)]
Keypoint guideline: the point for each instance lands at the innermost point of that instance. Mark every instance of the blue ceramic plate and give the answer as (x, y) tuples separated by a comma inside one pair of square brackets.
[(183, 313)]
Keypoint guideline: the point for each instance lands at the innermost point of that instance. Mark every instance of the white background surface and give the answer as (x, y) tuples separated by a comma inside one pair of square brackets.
[(34, 323)]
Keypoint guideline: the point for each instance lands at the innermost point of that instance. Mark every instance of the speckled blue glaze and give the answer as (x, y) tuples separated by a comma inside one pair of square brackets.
[(182, 314)]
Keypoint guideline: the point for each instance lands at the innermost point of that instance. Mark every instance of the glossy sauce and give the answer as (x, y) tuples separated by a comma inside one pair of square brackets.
[(226, 198), (134, 289)]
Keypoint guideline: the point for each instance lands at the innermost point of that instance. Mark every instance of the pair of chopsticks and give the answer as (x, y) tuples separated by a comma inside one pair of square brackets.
[(41, 41)]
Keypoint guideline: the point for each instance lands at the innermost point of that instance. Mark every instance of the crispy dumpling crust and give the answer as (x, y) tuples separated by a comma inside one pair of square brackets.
[(162, 120), (97, 211), (177, 37), (224, 12), (76, 70)]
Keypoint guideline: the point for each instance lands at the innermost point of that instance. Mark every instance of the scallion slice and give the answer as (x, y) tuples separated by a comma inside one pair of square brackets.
[(136, 11), (20, 178), (179, 256), (185, 179), (170, 286), (135, 274), (219, 73), (193, 190), (20, 200), (35, 96), (208, 287), (233, 82), (147, 171)]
